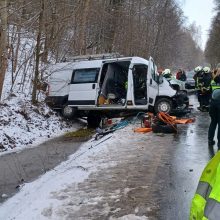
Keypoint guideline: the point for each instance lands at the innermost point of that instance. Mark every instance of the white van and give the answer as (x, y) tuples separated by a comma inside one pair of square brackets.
[(108, 87)]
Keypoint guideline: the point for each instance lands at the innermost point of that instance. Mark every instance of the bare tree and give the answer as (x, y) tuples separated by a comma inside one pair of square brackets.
[(3, 42), (38, 53), (50, 31)]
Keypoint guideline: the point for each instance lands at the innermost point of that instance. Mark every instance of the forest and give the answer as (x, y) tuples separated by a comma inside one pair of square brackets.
[(36, 33), (212, 51)]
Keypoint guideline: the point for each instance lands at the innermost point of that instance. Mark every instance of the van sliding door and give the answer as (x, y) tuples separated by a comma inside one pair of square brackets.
[(84, 87), (139, 72)]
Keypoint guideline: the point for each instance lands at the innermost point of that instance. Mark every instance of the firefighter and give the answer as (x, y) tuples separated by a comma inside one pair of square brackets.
[(167, 74), (181, 75), (214, 111), (206, 201), (198, 79), (204, 86)]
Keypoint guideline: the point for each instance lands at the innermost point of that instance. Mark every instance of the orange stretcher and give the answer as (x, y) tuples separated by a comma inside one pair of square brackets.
[(173, 120), (143, 130)]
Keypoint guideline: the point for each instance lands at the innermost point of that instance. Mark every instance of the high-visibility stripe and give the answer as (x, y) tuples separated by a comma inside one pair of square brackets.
[(204, 189), (212, 210), (215, 85)]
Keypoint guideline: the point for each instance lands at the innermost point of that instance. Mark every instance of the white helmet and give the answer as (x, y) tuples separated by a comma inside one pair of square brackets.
[(166, 72), (198, 69), (206, 69)]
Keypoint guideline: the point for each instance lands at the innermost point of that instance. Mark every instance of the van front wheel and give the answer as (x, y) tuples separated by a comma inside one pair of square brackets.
[(163, 105), (68, 112)]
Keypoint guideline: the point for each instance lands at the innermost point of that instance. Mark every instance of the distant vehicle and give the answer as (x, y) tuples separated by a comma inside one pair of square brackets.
[(177, 84), (190, 82), (106, 87)]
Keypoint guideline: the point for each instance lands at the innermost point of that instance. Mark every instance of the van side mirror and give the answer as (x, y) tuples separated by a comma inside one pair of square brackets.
[(160, 79)]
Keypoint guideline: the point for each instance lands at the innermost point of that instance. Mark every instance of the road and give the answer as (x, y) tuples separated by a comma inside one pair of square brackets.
[(153, 175), (25, 166)]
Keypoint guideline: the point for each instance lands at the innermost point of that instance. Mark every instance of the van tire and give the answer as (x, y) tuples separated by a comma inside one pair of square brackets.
[(163, 105), (68, 111), (93, 119)]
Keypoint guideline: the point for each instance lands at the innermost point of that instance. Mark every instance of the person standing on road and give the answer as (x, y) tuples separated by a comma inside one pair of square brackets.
[(198, 79), (214, 111), (182, 76), (205, 89), (167, 74), (206, 201), (178, 74)]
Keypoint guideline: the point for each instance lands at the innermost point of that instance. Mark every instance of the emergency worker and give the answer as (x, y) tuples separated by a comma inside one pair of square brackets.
[(178, 74), (198, 79), (204, 87), (167, 74), (181, 75), (206, 201), (214, 111)]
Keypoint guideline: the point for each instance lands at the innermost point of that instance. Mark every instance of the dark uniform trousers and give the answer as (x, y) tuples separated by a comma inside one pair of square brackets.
[(214, 112)]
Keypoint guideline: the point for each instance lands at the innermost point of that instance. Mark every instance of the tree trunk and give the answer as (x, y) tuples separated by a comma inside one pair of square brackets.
[(37, 56), (82, 32), (3, 42)]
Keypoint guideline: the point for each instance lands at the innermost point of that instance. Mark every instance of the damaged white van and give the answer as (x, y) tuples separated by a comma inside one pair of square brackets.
[(111, 86)]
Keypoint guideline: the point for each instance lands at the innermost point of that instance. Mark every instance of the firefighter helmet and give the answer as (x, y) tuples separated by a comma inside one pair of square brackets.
[(166, 72), (198, 69), (206, 69)]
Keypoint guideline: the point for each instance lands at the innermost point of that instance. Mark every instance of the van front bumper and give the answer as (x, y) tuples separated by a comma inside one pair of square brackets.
[(180, 103)]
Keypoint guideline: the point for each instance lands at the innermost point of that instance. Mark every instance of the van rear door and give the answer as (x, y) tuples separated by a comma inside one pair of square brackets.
[(84, 87)]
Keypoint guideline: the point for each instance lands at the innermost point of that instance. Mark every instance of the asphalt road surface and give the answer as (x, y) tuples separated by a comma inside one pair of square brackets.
[(156, 175)]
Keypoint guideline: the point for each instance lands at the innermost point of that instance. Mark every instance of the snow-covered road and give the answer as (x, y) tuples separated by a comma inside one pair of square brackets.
[(79, 188)]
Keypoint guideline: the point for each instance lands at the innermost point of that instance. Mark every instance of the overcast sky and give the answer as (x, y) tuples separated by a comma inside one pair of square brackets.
[(201, 12)]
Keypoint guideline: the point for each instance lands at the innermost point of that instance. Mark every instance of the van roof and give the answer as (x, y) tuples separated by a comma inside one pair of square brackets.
[(93, 63)]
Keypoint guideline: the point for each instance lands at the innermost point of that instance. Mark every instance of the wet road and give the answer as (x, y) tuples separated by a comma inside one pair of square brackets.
[(27, 165), (152, 175), (155, 176), (188, 154)]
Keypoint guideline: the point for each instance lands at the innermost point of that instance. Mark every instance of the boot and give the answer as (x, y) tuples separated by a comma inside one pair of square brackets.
[(207, 108), (211, 143), (204, 109), (199, 108)]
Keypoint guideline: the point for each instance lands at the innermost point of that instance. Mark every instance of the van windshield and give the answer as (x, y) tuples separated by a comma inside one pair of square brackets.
[(85, 75)]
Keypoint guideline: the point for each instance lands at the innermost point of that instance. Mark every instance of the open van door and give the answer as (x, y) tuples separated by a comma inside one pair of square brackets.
[(152, 85), (84, 88), (139, 77)]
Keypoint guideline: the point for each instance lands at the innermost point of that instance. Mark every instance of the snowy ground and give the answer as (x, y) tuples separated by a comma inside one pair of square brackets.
[(56, 194), (21, 123)]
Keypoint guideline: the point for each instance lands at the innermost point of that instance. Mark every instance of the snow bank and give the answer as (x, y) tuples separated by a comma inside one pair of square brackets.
[(21, 123)]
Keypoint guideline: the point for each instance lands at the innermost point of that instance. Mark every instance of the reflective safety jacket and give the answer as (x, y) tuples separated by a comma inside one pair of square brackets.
[(206, 202), (214, 85), (198, 80)]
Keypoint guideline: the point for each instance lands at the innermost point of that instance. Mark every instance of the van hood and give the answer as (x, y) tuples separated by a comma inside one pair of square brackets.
[(165, 89)]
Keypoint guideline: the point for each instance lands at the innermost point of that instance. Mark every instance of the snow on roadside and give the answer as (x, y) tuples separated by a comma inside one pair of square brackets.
[(21, 123), (40, 199)]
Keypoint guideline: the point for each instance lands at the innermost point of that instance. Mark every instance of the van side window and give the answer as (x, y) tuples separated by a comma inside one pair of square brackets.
[(85, 76)]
